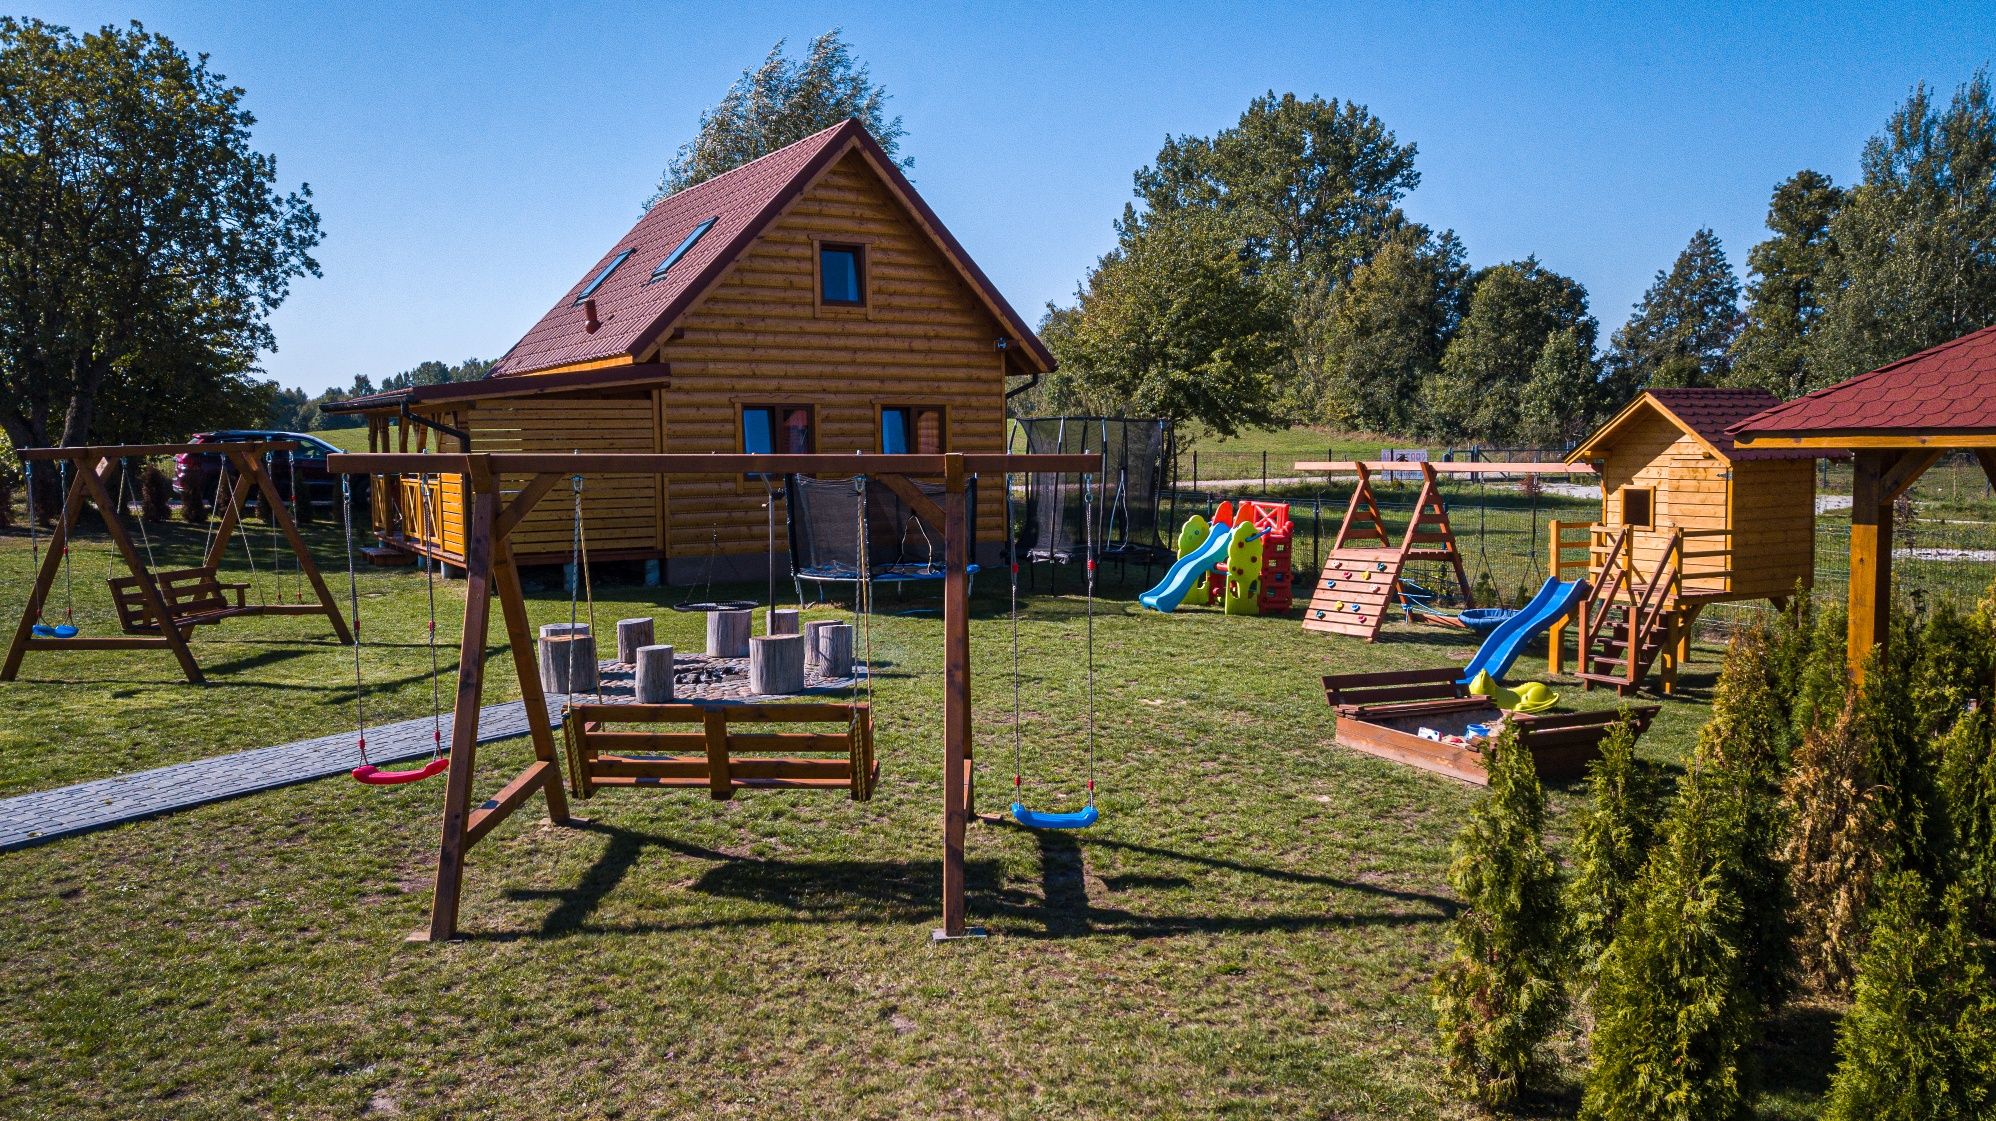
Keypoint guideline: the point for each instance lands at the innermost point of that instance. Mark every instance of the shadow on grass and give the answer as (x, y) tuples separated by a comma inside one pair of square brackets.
[(1799, 1052), (871, 892)]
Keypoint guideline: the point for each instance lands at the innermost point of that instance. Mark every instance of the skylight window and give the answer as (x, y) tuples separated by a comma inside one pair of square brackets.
[(682, 249), (589, 289)]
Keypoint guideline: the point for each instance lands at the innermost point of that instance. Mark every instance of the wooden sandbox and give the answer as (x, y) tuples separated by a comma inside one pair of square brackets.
[(1381, 714)]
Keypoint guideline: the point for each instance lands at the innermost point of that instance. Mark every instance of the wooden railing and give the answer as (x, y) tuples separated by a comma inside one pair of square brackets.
[(422, 508), (1702, 580), (1613, 576)]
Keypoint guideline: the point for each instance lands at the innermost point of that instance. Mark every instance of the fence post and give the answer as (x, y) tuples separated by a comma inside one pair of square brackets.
[(1317, 532), (1195, 470), (1264, 473)]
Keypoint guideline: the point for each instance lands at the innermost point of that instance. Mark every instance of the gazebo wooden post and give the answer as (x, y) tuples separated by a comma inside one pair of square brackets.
[(1870, 556)]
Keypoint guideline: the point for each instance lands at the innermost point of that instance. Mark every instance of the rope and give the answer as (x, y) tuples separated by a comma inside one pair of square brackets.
[(144, 536), (68, 587), (353, 612), (34, 535), (580, 584), (236, 507), (1018, 736), (270, 517), (436, 672), (862, 596), (1088, 550), (208, 523)]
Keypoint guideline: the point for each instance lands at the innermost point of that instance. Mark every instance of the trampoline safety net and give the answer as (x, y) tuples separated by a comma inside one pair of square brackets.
[(900, 545), (1134, 455)]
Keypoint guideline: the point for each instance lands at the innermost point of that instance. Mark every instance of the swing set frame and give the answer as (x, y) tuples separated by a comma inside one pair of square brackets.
[(88, 467), (491, 571)]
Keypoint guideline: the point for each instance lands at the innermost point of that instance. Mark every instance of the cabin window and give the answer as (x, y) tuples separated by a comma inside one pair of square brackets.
[(596, 281), (681, 249), (1638, 507), (842, 275), (912, 428), (782, 429)]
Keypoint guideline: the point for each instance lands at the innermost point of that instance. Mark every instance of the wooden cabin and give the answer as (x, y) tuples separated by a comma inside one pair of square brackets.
[(807, 301), (1687, 511)]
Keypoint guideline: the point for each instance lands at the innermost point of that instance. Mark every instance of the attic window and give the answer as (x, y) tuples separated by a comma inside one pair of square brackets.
[(685, 245), (589, 289), (841, 275)]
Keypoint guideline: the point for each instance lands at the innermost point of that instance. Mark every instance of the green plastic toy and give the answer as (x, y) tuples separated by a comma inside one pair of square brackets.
[(1190, 538), (1242, 595)]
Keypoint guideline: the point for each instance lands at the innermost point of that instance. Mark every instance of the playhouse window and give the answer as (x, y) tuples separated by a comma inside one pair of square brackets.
[(596, 282), (1638, 506), (680, 250), (911, 428), (841, 275)]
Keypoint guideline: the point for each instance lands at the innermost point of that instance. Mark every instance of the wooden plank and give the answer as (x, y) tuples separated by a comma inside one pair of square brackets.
[(114, 525), (91, 453), (362, 463), (1349, 467), (715, 724), (501, 805), (1870, 556)]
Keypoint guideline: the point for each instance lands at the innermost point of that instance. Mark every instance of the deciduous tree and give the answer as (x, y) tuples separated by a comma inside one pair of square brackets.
[(143, 240), (779, 103), (1513, 309)]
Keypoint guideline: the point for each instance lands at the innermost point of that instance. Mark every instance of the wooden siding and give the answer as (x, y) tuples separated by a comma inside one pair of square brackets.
[(620, 513), (760, 337), (1774, 526), (1688, 486), (1769, 507)]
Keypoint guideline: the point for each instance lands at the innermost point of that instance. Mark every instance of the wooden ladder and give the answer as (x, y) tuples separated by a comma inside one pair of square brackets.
[(1360, 582), (1627, 622)]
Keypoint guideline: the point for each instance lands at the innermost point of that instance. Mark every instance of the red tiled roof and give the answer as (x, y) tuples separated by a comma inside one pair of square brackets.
[(1947, 389), (1707, 413), (634, 310)]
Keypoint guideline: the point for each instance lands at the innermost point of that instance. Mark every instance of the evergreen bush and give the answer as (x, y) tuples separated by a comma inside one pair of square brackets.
[(1919, 1041), (155, 493), (1612, 841), (1500, 996), (1834, 849), (1744, 746)]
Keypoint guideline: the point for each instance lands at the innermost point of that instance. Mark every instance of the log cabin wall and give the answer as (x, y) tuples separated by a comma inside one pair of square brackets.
[(761, 337)]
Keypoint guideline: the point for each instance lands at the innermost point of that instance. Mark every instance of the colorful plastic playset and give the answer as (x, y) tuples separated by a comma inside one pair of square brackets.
[(1240, 559)]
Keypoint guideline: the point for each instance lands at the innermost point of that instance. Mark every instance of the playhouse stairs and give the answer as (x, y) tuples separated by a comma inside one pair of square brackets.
[(1620, 640), (1353, 592), (1607, 661)]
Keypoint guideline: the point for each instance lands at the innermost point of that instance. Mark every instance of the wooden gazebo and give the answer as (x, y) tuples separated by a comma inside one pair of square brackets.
[(1897, 420)]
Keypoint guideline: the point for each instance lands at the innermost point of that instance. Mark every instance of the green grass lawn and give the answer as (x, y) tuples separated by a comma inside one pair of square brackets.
[(1249, 932)]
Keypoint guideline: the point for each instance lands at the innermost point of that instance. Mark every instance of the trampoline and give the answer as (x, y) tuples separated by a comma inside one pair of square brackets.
[(901, 548), (1134, 453)]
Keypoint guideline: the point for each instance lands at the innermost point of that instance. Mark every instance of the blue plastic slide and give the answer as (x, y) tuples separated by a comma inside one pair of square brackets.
[(1189, 569), (1555, 601)]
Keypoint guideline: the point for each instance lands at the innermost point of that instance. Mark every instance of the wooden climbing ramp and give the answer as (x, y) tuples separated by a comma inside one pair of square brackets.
[(1359, 582)]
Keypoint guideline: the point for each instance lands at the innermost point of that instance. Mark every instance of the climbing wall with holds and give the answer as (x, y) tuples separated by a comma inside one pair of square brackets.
[(1352, 592)]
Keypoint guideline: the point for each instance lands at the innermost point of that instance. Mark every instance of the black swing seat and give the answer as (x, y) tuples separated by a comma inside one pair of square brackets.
[(717, 758), (193, 597)]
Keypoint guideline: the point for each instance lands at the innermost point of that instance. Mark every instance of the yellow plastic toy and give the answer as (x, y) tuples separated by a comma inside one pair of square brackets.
[(1531, 696)]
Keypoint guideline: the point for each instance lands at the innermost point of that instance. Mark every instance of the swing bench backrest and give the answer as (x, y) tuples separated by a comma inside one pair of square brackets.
[(193, 597), (717, 758)]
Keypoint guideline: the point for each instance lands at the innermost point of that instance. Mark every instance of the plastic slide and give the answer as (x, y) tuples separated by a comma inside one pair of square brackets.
[(1189, 569), (1555, 601)]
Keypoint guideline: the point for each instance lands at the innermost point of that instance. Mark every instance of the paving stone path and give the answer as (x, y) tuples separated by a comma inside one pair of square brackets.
[(28, 819)]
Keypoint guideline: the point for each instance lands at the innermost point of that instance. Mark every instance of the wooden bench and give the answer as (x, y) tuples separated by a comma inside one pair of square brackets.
[(193, 597), (1382, 714), (717, 758)]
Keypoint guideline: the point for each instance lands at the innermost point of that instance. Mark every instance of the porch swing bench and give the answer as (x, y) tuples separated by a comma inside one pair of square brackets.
[(193, 597), (717, 759)]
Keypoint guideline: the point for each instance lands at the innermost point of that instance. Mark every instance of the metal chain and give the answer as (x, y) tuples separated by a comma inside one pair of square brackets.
[(68, 586), (1018, 736), (34, 537)]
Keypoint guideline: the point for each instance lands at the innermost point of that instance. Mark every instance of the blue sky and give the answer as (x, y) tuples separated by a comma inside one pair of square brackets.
[(470, 162)]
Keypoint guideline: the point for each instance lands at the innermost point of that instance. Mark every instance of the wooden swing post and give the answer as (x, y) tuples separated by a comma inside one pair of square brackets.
[(491, 572)]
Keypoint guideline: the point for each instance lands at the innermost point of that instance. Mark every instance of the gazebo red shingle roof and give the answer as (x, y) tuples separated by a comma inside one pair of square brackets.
[(1950, 388)]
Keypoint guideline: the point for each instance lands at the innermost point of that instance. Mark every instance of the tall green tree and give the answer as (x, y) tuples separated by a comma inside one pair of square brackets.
[(1791, 272), (1172, 324), (1500, 996), (1384, 331), (1681, 332), (1613, 841), (144, 241), (1563, 399), (1314, 184), (1915, 261), (1513, 309), (779, 103)]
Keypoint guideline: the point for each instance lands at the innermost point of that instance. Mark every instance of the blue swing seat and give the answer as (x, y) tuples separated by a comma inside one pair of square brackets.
[(1034, 819), (60, 630)]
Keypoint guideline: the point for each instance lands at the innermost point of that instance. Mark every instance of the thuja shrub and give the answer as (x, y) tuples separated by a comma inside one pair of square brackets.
[(1920, 1039), (1611, 842), (1837, 838), (193, 504), (1500, 996), (1968, 788), (1743, 745), (1675, 1019)]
